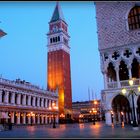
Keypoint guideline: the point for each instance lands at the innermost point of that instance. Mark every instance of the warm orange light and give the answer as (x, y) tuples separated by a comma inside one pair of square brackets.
[(94, 111), (62, 115), (122, 124), (53, 104), (122, 113), (95, 102)]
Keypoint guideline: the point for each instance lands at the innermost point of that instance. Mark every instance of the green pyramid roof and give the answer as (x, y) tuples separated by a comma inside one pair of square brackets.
[(57, 14)]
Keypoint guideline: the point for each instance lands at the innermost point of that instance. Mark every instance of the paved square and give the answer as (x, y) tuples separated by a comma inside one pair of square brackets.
[(81, 130)]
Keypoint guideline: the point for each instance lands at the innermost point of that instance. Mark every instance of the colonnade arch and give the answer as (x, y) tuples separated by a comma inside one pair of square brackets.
[(111, 72), (135, 69), (123, 71), (124, 68), (120, 104)]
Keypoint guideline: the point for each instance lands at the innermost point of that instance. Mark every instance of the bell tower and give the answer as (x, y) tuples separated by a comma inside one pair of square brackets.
[(59, 73)]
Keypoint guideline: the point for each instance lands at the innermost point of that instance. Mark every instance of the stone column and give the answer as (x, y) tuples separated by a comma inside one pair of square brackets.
[(13, 98), (117, 75), (45, 119), (6, 97), (46, 103), (33, 100), (29, 100), (108, 117), (41, 102), (105, 79), (38, 101), (24, 99), (18, 118), (0, 96), (24, 118), (127, 118), (129, 70), (42, 119), (12, 117), (49, 117)]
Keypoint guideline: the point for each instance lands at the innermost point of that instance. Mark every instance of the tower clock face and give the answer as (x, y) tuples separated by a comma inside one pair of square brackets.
[(55, 28)]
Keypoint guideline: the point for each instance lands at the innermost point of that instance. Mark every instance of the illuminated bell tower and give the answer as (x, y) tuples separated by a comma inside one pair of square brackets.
[(59, 74)]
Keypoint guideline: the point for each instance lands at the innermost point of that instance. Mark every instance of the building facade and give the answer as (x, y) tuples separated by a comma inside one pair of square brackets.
[(24, 103), (118, 27), (85, 111), (59, 74)]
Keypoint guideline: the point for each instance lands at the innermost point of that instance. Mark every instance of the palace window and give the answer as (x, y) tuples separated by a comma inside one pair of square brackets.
[(134, 18)]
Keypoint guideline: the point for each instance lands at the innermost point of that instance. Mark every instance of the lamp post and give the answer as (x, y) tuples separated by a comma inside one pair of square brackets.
[(112, 118), (132, 92), (53, 108), (93, 112)]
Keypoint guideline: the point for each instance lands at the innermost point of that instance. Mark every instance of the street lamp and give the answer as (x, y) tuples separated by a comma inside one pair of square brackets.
[(62, 118), (132, 92), (54, 108), (80, 118), (93, 112)]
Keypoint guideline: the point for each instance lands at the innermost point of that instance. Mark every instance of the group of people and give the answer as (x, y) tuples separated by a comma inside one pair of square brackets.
[(6, 123)]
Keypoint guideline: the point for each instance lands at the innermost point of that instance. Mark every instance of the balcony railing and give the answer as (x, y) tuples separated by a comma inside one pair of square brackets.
[(24, 85), (124, 83)]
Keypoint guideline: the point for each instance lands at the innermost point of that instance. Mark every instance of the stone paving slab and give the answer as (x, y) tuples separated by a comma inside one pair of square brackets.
[(81, 130)]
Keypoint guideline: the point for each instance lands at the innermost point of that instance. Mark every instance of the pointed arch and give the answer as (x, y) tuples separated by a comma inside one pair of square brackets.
[(123, 71), (111, 72), (135, 68), (120, 104)]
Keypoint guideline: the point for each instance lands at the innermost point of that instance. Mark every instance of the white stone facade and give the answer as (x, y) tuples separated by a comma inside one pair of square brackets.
[(115, 38), (25, 103)]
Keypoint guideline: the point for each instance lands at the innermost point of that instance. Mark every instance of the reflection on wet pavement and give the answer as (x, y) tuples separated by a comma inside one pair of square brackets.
[(81, 130)]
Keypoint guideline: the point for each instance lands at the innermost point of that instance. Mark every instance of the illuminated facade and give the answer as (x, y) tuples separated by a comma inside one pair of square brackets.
[(24, 103), (59, 75), (118, 25), (81, 110)]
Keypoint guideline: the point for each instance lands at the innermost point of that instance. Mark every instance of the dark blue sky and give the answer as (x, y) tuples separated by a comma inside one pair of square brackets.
[(24, 48)]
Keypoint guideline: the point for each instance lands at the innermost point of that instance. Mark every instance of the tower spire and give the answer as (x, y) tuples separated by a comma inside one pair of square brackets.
[(2, 33), (57, 14)]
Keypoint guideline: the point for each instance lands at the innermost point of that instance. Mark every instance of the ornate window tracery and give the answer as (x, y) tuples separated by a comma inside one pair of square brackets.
[(134, 18)]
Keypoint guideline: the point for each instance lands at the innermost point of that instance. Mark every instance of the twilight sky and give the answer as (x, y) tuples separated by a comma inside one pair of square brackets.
[(24, 48)]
